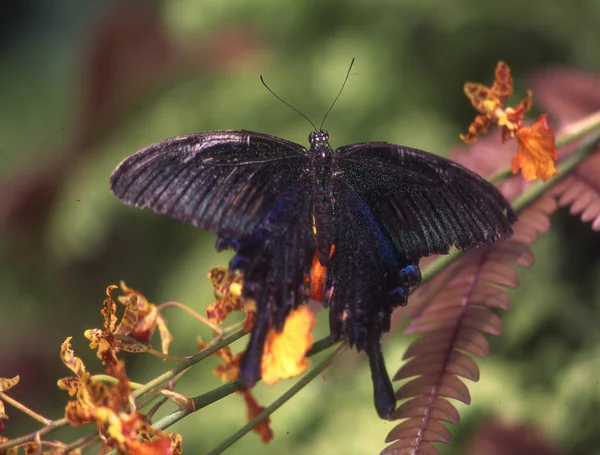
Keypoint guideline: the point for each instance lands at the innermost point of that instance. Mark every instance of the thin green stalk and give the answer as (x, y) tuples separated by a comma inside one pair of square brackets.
[(192, 360), (205, 399), (292, 391), (54, 425)]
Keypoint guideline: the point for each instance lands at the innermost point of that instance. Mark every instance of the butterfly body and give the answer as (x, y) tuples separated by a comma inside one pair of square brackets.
[(370, 211), (322, 169)]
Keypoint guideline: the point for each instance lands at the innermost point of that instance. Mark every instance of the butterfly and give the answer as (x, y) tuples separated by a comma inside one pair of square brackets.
[(369, 212)]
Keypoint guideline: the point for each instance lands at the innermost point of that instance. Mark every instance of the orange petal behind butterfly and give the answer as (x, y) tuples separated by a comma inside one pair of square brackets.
[(537, 153), (285, 352)]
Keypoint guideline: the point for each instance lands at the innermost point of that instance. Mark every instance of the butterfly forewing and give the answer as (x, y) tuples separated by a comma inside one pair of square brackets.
[(425, 203), (222, 181)]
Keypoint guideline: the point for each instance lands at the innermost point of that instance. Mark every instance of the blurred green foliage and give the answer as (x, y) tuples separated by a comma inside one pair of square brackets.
[(412, 58)]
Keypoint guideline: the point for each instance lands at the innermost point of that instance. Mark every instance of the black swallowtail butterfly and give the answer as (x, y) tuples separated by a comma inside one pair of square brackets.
[(379, 207)]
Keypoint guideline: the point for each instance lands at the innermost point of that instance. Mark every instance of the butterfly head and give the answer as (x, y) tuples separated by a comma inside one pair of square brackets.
[(318, 138)]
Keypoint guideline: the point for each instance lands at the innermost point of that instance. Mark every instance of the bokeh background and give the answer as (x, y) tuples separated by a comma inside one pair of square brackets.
[(84, 84)]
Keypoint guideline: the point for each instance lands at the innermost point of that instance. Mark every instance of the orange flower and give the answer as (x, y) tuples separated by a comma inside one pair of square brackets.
[(148, 318), (228, 292), (490, 102), (108, 407), (284, 354), (138, 323), (90, 394), (263, 428), (104, 340), (537, 154), (230, 370), (124, 428)]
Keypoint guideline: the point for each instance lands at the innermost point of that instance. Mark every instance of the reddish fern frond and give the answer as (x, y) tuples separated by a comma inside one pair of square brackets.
[(452, 324), (581, 191)]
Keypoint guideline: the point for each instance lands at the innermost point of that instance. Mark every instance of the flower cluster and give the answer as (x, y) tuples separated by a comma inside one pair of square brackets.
[(284, 354), (228, 294), (111, 407), (536, 152), (138, 323)]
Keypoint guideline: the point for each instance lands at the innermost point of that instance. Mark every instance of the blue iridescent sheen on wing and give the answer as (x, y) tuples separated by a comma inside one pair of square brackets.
[(274, 259)]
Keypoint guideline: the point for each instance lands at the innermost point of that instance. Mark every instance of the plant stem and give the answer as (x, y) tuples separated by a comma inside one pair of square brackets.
[(205, 399), (303, 382), (54, 425), (191, 312), (24, 409), (192, 360)]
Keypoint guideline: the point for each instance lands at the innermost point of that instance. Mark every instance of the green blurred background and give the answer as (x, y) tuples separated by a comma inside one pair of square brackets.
[(84, 84)]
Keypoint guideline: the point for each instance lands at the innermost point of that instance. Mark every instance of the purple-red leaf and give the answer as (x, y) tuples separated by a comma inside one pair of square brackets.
[(438, 409), (455, 311)]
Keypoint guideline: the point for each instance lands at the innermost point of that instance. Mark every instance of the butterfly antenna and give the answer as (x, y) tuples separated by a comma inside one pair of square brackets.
[(286, 103), (338, 95)]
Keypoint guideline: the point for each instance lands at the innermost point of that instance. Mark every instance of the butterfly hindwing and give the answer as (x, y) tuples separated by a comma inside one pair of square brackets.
[(274, 260), (369, 277), (425, 203), (221, 181)]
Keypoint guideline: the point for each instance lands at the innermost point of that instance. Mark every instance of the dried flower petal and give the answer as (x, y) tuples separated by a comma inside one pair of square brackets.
[(511, 119), (31, 448), (503, 83), (147, 319), (537, 153), (479, 126), (176, 443), (5, 384), (136, 327), (263, 428), (110, 309), (91, 396), (228, 292), (230, 368), (284, 352), (165, 336), (490, 102), (481, 97)]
